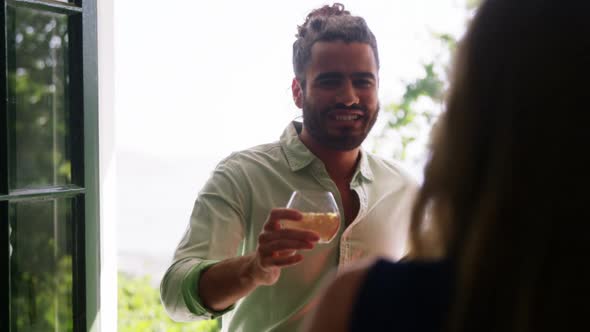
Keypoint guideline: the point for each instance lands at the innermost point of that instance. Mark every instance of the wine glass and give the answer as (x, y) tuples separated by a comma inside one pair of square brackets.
[(320, 213)]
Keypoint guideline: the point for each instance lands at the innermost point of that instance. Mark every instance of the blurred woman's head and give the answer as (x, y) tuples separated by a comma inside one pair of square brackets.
[(504, 192)]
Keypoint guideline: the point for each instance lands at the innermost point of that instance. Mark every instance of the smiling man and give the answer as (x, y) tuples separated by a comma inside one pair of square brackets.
[(339, 98), (235, 261)]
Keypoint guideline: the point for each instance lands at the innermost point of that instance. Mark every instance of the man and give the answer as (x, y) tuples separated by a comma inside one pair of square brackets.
[(235, 261)]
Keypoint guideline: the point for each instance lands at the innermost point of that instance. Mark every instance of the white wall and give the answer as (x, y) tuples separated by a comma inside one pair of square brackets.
[(108, 169)]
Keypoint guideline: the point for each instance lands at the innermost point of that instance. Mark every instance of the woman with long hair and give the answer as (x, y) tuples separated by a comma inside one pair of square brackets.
[(498, 235)]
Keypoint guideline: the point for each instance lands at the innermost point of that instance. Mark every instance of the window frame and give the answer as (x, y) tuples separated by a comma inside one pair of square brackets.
[(82, 99)]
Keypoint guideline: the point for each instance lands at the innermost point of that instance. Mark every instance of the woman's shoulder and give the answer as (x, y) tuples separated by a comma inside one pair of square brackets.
[(378, 273), (407, 279), (373, 287), (403, 294), (337, 300), (415, 268)]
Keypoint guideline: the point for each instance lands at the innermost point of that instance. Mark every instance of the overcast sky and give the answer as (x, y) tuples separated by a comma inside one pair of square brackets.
[(219, 72)]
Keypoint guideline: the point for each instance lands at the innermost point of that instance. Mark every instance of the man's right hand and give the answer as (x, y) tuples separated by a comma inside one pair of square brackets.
[(277, 247), (220, 286)]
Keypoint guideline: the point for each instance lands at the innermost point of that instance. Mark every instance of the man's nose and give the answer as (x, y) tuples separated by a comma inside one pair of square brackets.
[(348, 94)]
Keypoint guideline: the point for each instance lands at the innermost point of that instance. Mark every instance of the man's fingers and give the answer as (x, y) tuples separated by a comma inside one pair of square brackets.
[(278, 247), (282, 261), (282, 245), (291, 234), (280, 213), (284, 253)]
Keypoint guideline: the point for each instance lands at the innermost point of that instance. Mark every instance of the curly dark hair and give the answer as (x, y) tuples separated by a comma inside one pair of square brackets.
[(329, 23)]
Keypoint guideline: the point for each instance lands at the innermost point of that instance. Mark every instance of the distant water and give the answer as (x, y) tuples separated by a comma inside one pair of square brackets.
[(155, 196), (141, 265)]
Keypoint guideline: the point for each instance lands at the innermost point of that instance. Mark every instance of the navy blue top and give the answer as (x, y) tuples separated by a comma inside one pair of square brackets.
[(403, 296)]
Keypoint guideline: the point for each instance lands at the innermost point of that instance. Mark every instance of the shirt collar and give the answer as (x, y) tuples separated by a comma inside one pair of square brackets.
[(364, 166), (299, 156)]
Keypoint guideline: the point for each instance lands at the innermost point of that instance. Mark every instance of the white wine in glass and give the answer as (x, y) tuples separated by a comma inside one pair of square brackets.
[(320, 213)]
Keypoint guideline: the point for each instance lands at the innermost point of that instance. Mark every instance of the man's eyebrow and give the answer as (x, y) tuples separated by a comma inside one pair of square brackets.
[(328, 75), (338, 75), (368, 75)]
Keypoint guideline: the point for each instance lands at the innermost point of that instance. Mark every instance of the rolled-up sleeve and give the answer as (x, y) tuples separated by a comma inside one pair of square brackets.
[(215, 233), (179, 291)]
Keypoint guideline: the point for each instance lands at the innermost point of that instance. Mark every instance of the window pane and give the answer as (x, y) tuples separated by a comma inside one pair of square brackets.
[(39, 152), (41, 275)]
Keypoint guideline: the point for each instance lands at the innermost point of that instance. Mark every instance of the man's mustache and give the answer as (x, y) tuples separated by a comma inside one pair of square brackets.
[(356, 107)]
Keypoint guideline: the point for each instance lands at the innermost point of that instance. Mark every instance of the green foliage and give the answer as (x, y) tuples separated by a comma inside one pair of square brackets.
[(140, 310), (472, 4), (404, 112), (38, 114), (38, 110), (41, 270), (48, 302), (422, 101), (420, 104)]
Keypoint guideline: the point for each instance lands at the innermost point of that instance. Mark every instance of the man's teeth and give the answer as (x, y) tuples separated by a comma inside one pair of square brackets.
[(346, 117)]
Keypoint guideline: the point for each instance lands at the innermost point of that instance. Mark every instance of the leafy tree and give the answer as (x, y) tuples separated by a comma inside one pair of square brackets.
[(421, 103), (418, 107), (140, 310), (41, 238), (37, 91), (41, 287)]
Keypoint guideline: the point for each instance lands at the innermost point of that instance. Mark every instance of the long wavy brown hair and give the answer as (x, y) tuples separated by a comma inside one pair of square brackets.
[(506, 190)]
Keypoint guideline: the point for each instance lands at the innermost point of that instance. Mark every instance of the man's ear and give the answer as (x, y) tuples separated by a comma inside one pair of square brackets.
[(297, 93)]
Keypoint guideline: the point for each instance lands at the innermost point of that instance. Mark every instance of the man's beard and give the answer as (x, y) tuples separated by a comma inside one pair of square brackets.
[(315, 122)]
